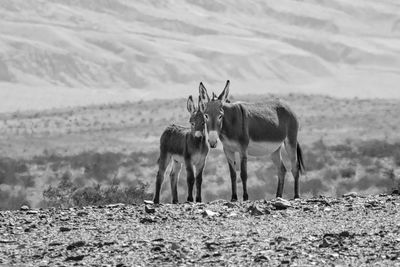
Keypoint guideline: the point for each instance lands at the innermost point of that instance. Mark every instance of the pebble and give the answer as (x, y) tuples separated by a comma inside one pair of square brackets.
[(281, 203), (351, 194), (24, 208)]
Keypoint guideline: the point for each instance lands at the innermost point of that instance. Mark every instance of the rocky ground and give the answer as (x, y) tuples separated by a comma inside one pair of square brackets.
[(352, 230)]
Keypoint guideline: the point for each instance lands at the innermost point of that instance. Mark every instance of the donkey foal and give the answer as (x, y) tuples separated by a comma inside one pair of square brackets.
[(183, 145)]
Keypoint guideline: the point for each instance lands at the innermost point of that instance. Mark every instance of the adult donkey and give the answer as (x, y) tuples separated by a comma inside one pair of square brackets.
[(183, 145), (254, 129)]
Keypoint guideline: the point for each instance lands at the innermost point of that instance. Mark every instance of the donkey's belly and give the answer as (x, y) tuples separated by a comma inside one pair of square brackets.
[(258, 149)]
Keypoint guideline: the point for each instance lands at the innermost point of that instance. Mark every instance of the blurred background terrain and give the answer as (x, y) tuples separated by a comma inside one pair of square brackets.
[(87, 87)]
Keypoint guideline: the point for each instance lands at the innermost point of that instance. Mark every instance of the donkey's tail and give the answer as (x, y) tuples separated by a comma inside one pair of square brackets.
[(300, 162)]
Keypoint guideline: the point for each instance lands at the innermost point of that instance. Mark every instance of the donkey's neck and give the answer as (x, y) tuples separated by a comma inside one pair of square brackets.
[(197, 141)]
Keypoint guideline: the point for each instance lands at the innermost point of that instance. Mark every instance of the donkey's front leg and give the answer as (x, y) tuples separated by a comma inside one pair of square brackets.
[(190, 179), (230, 156), (243, 174), (199, 180)]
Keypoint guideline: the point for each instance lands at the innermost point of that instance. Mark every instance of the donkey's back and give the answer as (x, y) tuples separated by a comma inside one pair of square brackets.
[(271, 120)]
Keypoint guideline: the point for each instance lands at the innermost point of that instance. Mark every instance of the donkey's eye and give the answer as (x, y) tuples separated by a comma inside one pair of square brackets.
[(220, 117), (206, 117)]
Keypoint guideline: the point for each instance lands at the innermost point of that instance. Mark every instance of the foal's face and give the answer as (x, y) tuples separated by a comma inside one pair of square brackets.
[(196, 119), (213, 112), (197, 124)]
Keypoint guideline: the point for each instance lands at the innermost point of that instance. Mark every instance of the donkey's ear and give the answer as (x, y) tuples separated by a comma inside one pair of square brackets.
[(203, 94), (224, 95), (202, 105), (190, 105)]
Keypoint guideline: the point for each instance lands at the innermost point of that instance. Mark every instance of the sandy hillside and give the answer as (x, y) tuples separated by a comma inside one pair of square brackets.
[(58, 53)]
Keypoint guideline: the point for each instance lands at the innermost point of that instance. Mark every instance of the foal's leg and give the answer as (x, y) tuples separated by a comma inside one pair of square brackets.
[(230, 156), (174, 175), (243, 174), (277, 160), (292, 153), (190, 179), (163, 162), (199, 180)]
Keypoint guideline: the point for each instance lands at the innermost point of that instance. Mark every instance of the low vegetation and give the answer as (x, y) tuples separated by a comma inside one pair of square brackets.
[(106, 154)]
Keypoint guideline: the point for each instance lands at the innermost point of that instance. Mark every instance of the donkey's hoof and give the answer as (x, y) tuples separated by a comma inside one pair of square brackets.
[(234, 199), (175, 202), (156, 201), (296, 196), (198, 200), (189, 199)]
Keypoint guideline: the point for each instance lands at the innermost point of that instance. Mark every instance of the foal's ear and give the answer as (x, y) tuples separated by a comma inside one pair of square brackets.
[(190, 105), (202, 105), (203, 94), (224, 95)]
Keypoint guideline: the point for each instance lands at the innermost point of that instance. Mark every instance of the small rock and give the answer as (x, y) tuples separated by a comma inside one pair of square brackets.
[(255, 210), (64, 218), (174, 246), (32, 212), (149, 209), (75, 258), (230, 205), (25, 208), (334, 255), (261, 258), (82, 213), (53, 244), (7, 241), (232, 214), (281, 204), (65, 229), (148, 202), (344, 234), (156, 249), (147, 220), (76, 245), (351, 194), (209, 213), (116, 205)]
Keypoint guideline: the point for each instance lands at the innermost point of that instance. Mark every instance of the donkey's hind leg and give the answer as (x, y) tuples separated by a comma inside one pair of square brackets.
[(163, 162), (174, 176), (277, 160), (291, 150)]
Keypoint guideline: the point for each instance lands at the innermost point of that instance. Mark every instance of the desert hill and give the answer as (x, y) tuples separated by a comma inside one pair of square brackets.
[(58, 53)]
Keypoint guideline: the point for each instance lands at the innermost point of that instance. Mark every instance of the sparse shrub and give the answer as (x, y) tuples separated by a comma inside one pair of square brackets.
[(347, 172), (60, 196), (87, 196), (70, 193)]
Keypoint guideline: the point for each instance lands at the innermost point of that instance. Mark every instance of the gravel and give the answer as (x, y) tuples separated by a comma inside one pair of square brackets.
[(353, 230)]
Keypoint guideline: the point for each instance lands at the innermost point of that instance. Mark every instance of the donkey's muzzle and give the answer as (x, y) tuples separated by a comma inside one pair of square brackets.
[(213, 139), (213, 145)]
